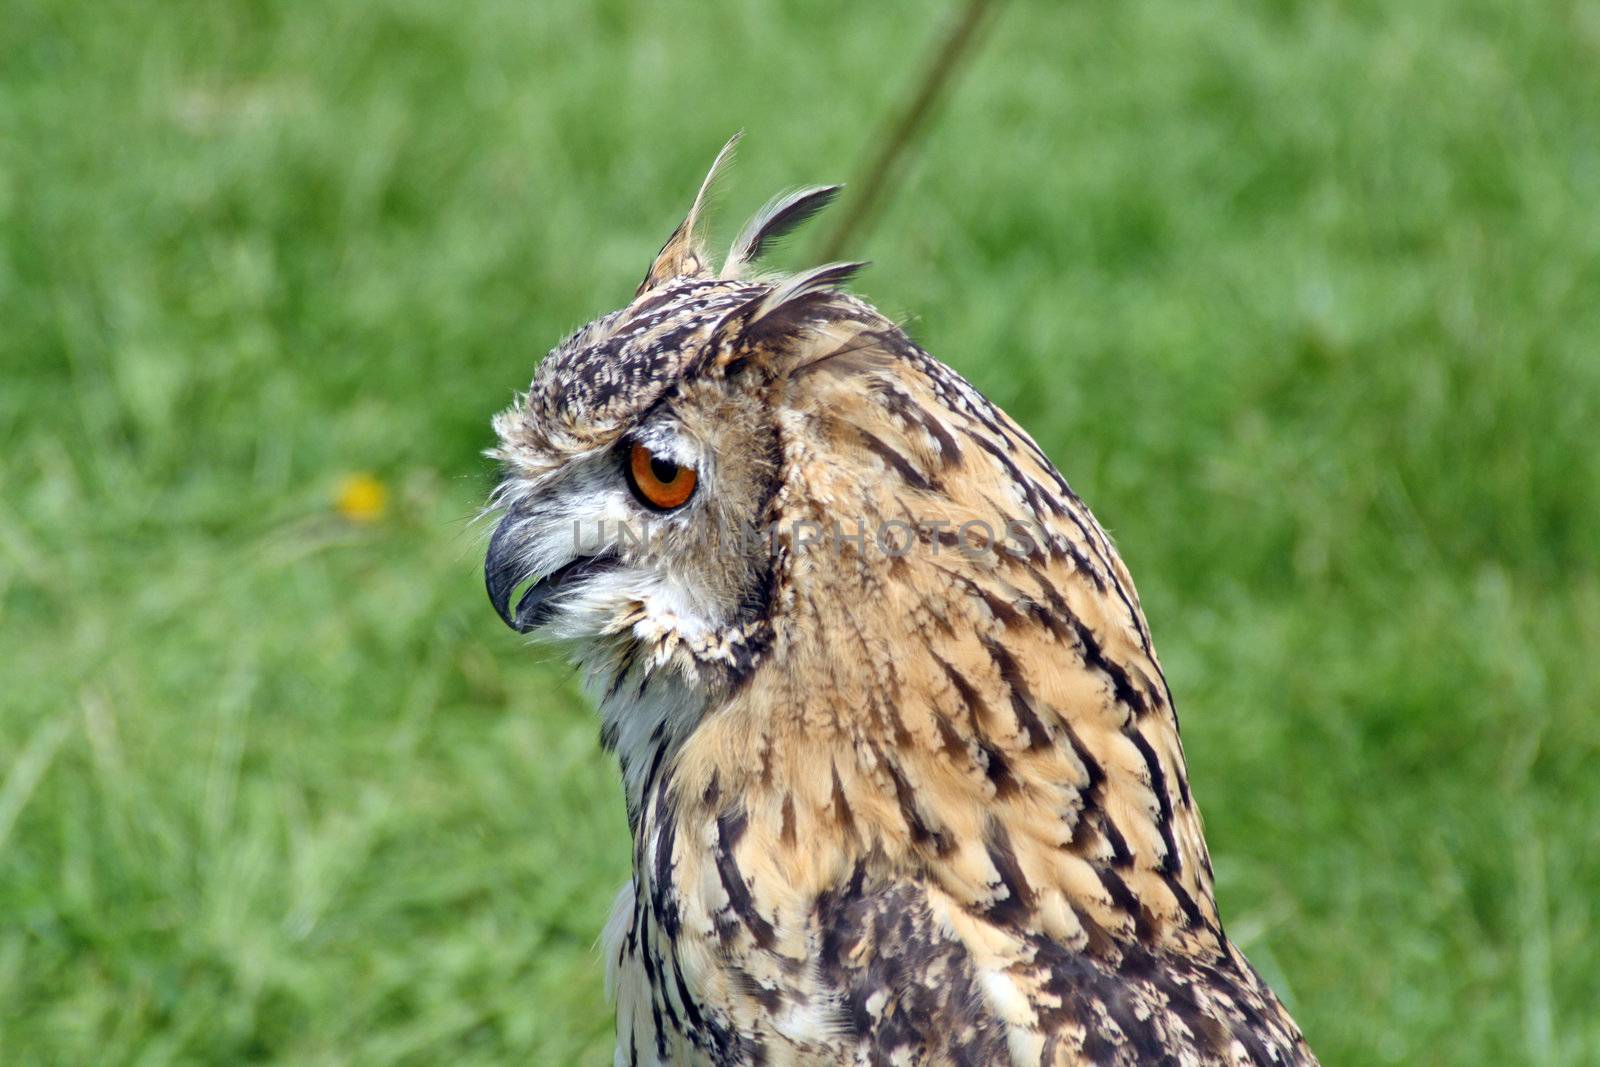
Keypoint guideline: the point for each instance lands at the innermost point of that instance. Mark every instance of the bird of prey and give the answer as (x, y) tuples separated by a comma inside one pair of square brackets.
[(901, 767)]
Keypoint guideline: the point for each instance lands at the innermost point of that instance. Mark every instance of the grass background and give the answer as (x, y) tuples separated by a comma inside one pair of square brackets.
[(1302, 296)]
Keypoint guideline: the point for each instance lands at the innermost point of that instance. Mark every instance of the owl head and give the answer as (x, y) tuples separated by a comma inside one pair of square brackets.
[(706, 476), (646, 451)]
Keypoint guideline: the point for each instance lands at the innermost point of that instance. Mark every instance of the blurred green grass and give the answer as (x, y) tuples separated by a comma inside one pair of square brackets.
[(1301, 296)]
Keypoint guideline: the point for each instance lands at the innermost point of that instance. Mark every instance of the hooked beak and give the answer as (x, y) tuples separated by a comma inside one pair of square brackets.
[(504, 569)]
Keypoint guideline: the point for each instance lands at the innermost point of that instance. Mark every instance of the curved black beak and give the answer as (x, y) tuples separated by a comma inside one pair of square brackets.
[(504, 569)]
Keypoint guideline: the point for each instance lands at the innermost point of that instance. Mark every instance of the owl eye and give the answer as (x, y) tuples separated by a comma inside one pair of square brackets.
[(659, 483)]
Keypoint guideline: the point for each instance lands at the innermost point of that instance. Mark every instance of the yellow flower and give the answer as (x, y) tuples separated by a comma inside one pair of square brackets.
[(361, 498)]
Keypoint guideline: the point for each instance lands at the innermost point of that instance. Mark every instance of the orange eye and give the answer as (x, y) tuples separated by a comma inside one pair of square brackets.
[(658, 483)]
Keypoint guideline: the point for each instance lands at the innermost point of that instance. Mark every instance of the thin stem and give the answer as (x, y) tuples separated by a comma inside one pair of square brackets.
[(905, 128)]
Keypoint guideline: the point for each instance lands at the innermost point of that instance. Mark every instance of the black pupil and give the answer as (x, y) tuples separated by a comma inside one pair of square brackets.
[(664, 469)]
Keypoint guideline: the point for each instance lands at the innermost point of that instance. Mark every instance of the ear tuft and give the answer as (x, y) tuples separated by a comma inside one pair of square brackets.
[(781, 215), (680, 257), (776, 312), (801, 287)]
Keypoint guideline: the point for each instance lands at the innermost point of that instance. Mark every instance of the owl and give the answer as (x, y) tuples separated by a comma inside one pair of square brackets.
[(901, 767)]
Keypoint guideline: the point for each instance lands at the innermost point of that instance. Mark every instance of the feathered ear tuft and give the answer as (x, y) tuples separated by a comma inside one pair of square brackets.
[(773, 222), (780, 311), (679, 257), (798, 289)]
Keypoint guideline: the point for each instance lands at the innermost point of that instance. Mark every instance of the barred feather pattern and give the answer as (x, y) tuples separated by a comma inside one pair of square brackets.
[(920, 807)]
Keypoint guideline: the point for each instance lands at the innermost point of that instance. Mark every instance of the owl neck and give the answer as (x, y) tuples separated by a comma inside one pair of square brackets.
[(645, 717)]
